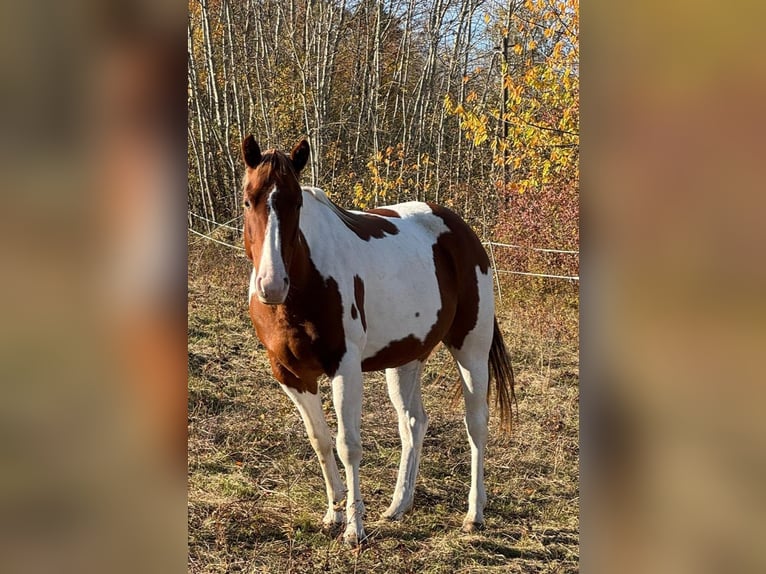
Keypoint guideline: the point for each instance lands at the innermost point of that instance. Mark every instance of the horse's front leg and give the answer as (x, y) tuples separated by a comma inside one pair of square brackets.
[(310, 407), (347, 396)]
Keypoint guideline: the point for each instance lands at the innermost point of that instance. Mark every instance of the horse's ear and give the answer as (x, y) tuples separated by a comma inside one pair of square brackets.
[(251, 153), (300, 155)]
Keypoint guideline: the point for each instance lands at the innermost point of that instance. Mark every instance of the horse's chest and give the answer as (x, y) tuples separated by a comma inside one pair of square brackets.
[(302, 345)]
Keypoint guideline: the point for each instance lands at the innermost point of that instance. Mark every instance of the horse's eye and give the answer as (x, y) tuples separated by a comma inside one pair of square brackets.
[(247, 204)]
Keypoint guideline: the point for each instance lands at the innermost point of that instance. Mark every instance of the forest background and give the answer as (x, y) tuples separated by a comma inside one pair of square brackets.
[(473, 104)]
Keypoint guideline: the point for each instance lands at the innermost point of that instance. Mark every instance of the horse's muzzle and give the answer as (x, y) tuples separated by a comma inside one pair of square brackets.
[(273, 292)]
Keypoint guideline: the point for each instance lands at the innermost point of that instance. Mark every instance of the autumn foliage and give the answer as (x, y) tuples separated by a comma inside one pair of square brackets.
[(473, 105), (532, 131)]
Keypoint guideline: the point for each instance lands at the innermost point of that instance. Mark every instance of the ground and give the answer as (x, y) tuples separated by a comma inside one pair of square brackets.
[(256, 494)]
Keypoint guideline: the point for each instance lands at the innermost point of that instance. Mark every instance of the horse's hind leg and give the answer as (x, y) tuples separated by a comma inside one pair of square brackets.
[(474, 371), (310, 407), (404, 391)]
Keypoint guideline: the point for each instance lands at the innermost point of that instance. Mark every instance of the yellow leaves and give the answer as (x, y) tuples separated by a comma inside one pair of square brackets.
[(448, 104), (361, 198), (536, 133), (391, 174), (486, 18)]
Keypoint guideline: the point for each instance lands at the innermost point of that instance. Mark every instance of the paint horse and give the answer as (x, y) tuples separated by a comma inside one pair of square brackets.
[(336, 292)]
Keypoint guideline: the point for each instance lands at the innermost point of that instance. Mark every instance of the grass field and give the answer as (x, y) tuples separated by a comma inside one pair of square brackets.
[(256, 494)]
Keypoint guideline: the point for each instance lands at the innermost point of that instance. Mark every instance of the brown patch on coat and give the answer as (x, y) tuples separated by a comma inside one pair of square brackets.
[(366, 225), (359, 298), (461, 252), (304, 339), (403, 351), (353, 311)]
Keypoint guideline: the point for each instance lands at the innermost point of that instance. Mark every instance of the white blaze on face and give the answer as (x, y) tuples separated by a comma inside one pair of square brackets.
[(271, 281)]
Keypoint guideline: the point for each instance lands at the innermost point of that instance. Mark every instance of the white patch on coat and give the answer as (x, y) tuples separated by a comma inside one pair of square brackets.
[(401, 291)]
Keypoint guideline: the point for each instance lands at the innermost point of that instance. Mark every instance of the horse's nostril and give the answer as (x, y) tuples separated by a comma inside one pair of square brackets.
[(286, 281)]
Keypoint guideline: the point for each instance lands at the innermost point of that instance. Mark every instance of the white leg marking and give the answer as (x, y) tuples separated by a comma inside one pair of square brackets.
[(475, 375), (310, 408), (404, 392), (347, 397), (473, 364)]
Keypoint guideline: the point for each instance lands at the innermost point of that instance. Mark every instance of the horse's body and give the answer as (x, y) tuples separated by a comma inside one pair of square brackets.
[(335, 293)]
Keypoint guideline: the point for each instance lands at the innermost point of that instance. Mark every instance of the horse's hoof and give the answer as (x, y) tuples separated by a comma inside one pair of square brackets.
[(332, 520), (471, 526), (392, 514), (331, 527), (395, 513), (353, 539)]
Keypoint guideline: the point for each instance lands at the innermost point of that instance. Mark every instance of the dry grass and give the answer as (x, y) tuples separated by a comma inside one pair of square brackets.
[(256, 495)]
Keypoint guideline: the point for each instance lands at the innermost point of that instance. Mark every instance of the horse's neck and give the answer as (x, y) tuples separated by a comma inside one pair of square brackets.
[(321, 234), (322, 230)]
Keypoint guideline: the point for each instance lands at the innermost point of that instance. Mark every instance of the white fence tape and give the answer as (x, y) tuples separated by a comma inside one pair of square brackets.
[(530, 248), (213, 239), (215, 223), (571, 278)]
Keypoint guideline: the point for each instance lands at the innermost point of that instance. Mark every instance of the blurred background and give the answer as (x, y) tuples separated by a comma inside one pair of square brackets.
[(93, 164), (673, 452), (93, 170)]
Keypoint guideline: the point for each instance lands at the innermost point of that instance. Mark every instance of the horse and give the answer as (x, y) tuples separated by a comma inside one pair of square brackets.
[(336, 292)]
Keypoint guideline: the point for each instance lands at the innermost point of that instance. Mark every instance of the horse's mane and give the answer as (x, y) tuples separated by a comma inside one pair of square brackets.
[(365, 225)]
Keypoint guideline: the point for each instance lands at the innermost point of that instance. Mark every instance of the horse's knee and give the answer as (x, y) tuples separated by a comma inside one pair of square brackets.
[(349, 449), (322, 444), (419, 424)]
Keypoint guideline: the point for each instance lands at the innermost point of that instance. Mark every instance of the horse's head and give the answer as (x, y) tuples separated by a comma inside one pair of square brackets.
[(272, 200)]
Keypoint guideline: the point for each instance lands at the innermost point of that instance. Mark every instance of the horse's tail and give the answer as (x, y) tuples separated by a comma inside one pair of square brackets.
[(501, 371)]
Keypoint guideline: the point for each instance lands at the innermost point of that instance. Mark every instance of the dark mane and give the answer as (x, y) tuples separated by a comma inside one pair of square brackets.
[(366, 225)]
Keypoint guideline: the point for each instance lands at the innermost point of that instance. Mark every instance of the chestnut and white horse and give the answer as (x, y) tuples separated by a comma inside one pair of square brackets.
[(336, 292)]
